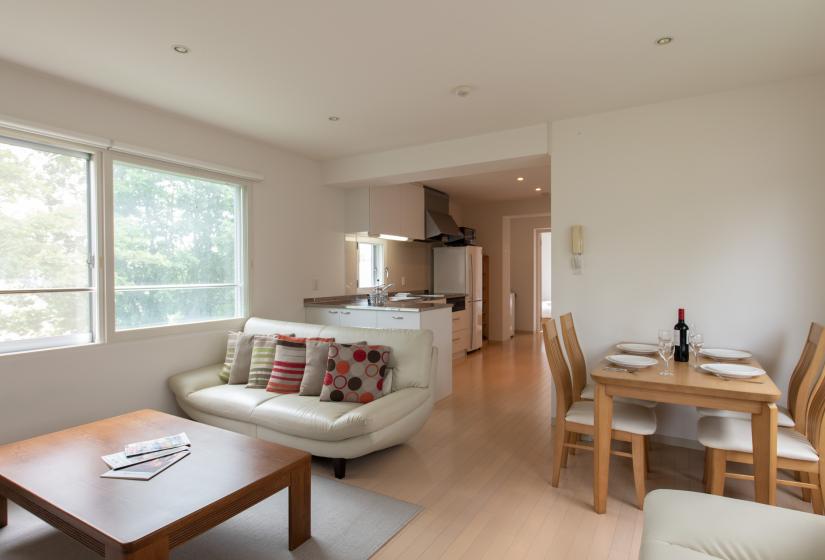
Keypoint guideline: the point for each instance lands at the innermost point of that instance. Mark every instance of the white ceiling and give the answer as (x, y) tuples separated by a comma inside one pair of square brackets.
[(275, 69), (497, 185)]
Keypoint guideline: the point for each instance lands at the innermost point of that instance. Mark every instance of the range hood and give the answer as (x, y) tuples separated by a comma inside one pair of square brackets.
[(438, 222)]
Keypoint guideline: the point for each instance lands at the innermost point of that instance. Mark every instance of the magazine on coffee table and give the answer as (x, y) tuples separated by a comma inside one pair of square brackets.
[(120, 460), (152, 445), (148, 469)]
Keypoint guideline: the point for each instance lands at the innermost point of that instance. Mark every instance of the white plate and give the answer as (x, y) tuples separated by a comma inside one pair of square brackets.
[(734, 371), (637, 348), (631, 361), (725, 354)]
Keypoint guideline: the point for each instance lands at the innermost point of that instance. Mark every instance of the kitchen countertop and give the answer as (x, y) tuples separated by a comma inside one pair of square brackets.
[(356, 302)]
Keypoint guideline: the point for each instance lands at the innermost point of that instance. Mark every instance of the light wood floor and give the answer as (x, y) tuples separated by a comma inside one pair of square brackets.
[(481, 470)]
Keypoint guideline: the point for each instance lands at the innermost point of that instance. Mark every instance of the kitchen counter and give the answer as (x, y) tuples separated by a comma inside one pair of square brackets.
[(353, 302)]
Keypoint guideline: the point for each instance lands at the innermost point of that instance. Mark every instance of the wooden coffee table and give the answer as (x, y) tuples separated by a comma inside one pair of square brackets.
[(57, 478)]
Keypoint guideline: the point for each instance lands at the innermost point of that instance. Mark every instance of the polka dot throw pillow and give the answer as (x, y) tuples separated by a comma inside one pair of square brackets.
[(355, 373)]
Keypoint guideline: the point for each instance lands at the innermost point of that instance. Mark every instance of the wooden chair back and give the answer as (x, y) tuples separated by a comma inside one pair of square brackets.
[(558, 368), (816, 412), (805, 376), (574, 354)]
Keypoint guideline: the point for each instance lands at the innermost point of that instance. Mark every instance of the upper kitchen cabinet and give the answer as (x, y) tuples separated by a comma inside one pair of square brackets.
[(396, 210)]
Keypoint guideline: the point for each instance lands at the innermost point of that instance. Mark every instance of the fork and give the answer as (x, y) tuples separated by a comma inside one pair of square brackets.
[(742, 380), (633, 371)]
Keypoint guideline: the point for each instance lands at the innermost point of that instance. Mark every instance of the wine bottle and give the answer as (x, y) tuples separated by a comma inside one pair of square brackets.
[(681, 352)]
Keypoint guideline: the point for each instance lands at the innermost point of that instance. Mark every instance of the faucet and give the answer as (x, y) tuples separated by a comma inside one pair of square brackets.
[(379, 294)]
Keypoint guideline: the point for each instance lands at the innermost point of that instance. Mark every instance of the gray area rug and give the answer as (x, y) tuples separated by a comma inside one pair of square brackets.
[(348, 523)]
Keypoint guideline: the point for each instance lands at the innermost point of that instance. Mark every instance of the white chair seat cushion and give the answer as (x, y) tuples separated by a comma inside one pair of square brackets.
[(308, 417), (626, 417), (229, 401), (783, 416), (680, 525), (589, 393), (734, 434)]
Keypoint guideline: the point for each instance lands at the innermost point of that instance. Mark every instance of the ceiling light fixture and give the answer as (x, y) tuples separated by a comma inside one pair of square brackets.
[(462, 91), (333, 118), (664, 41), (519, 178), (538, 189), (180, 49)]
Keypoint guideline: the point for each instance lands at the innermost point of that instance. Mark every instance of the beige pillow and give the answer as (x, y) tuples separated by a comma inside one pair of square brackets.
[(239, 371), (316, 367)]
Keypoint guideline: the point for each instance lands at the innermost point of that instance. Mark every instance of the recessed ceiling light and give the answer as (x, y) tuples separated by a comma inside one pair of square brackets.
[(180, 49), (664, 40), (333, 118), (519, 178), (462, 91), (538, 189)]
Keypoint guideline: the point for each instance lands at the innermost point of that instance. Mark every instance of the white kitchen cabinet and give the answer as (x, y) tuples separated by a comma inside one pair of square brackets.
[(398, 320), (391, 210), (323, 316), (357, 318)]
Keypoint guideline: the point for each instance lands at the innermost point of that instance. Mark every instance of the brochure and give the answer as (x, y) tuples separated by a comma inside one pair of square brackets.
[(120, 460), (148, 469), (152, 445)]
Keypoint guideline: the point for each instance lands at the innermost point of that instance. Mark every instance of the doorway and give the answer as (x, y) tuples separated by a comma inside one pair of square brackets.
[(543, 303)]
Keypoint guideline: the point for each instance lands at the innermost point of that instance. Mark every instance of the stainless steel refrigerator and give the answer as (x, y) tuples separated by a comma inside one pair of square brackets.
[(457, 270)]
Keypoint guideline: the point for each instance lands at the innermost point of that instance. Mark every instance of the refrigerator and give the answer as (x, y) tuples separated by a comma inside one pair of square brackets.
[(457, 270)]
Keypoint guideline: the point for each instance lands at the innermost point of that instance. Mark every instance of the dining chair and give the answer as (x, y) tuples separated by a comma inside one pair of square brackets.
[(803, 378), (729, 439), (631, 423), (581, 388)]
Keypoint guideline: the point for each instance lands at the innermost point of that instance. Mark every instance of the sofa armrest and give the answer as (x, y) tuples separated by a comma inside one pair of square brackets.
[(388, 409), (185, 383), (680, 524)]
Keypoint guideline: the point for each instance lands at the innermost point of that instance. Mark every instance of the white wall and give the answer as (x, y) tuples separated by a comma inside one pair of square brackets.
[(712, 203), (523, 272), (295, 237), (546, 262)]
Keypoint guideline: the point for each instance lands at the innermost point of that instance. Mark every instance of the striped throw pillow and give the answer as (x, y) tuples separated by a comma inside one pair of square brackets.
[(260, 366), (231, 348), (289, 364)]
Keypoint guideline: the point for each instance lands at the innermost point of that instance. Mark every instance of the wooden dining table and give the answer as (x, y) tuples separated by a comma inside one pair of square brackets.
[(688, 386)]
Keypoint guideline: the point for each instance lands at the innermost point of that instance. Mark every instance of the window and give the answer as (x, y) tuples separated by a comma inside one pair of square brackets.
[(178, 248), (370, 264), (47, 275)]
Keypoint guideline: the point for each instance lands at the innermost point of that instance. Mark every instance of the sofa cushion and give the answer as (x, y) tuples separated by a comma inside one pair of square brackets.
[(231, 346), (355, 373), (310, 418), (230, 401), (307, 417), (412, 351), (239, 371), (692, 525)]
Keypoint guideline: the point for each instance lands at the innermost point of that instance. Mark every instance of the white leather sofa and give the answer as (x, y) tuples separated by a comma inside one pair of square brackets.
[(683, 525), (338, 430)]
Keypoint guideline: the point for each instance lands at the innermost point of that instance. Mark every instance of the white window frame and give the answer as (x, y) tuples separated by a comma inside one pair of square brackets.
[(378, 263), (242, 243), (101, 225), (96, 287)]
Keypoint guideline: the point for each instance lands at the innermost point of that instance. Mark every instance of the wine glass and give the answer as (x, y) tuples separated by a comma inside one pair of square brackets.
[(697, 341), (666, 349)]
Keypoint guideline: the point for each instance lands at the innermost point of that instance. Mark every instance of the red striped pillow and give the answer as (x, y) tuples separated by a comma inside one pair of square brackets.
[(289, 363)]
